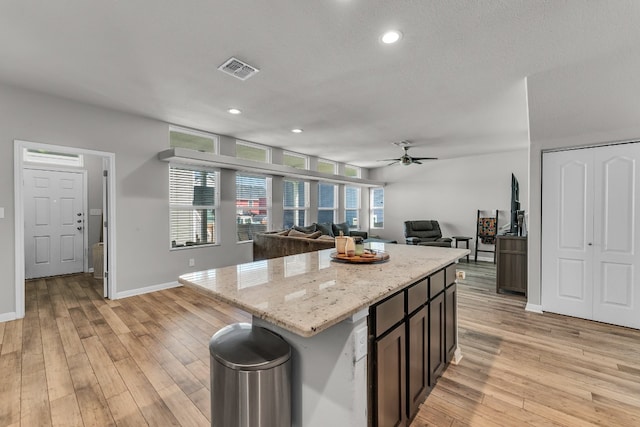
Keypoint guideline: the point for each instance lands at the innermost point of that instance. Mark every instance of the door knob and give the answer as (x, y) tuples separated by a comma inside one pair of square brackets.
[(590, 244), (79, 214), (79, 228)]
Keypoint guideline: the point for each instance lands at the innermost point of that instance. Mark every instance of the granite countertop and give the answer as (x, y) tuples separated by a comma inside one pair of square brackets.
[(308, 293)]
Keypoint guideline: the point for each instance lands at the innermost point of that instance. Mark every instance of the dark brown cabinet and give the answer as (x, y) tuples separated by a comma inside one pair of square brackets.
[(451, 321), (511, 268), (436, 337), (418, 359), (391, 376), (413, 332)]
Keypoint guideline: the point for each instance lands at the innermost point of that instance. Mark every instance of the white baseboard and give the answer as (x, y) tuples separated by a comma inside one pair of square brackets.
[(6, 317), (457, 356), (534, 308), (146, 290)]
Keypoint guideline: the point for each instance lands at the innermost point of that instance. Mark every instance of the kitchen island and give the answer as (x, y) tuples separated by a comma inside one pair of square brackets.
[(322, 308)]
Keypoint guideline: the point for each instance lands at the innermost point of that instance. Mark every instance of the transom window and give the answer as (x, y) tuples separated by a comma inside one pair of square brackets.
[(34, 155), (295, 160), (327, 166), (249, 151), (193, 202), (253, 205), (193, 140), (352, 171)]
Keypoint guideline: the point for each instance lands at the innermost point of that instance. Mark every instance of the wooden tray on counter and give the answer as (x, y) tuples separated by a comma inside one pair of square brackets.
[(378, 256)]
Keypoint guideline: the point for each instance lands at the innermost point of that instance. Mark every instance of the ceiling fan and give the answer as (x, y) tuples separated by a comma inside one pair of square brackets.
[(406, 159)]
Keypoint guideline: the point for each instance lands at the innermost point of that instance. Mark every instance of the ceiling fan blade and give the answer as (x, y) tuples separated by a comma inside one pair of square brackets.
[(424, 158), (389, 160), (417, 162), (393, 163)]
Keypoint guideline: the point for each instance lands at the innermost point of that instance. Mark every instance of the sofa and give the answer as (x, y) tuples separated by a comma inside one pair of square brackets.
[(425, 233), (298, 240)]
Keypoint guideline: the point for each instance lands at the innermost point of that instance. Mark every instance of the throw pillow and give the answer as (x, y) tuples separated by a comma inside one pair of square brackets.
[(296, 233), (327, 238), (283, 232), (308, 230), (314, 235), (326, 229), (337, 228)]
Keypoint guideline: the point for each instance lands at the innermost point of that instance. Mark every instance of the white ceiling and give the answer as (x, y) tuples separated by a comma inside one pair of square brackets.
[(454, 85)]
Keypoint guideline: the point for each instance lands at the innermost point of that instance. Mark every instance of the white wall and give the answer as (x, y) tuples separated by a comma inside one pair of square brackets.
[(588, 103), (451, 191), (142, 219), (143, 257)]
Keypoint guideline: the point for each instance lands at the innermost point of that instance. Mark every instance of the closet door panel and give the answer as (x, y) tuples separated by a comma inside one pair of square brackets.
[(616, 258), (567, 233)]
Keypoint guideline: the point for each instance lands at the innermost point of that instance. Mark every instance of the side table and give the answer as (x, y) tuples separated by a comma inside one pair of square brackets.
[(464, 239)]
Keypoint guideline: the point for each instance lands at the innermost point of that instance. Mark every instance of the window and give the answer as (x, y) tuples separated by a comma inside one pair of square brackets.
[(352, 206), (294, 160), (327, 202), (254, 152), (50, 157), (377, 207), (326, 166), (193, 140), (352, 171), (295, 203), (193, 200), (253, 205)]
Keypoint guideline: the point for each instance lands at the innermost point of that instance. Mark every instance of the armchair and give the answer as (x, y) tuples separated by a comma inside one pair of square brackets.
[(425, 233)]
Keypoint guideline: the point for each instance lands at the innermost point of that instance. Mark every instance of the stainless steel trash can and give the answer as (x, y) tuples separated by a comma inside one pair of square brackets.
[(250, 378)]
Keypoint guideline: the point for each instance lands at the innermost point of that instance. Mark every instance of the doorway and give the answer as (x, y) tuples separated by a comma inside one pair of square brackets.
[(54, 222), (106, 216)]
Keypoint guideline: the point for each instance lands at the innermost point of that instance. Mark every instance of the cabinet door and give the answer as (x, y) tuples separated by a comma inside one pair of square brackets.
[(391, 373), (451, 319), (418, 368), (436, 337)]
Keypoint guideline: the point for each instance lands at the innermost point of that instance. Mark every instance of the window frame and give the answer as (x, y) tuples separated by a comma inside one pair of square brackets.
[(286, 154), (372, 208), (304, 208), (184, 207), (333, 209), (358, 209), (328, 162), (266, 149), (215, 138), (268, 208), (358, 171)]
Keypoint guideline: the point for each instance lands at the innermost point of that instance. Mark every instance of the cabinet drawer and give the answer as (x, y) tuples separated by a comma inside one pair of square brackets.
[(450, 274), (436, 283), (389, 313), (417, 295)]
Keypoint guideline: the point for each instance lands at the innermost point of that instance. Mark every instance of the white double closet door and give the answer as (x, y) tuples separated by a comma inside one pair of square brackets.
[(590, 234)]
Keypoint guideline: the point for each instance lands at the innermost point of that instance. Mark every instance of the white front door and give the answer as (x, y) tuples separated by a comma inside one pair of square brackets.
[(54, 222), (567, 233), (590, 236)]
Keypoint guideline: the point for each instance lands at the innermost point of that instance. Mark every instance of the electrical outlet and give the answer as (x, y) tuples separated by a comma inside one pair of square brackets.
[(192, 262), (360, 338), (460, 274)]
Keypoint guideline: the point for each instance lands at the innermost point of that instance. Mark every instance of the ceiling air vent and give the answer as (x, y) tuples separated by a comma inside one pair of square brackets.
[(238, 69)]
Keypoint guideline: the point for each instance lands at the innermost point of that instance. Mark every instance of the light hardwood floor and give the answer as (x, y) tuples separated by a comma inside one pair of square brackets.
[(77, 359)]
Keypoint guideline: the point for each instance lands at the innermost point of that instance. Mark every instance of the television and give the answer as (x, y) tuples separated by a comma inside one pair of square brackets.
[(515, 205)]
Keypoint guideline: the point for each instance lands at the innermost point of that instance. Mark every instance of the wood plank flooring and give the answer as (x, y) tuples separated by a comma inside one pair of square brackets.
[(77, 359)]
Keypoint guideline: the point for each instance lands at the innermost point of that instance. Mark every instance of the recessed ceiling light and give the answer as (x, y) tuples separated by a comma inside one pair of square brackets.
[(234, 111), (391, 37), (296, 130)]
